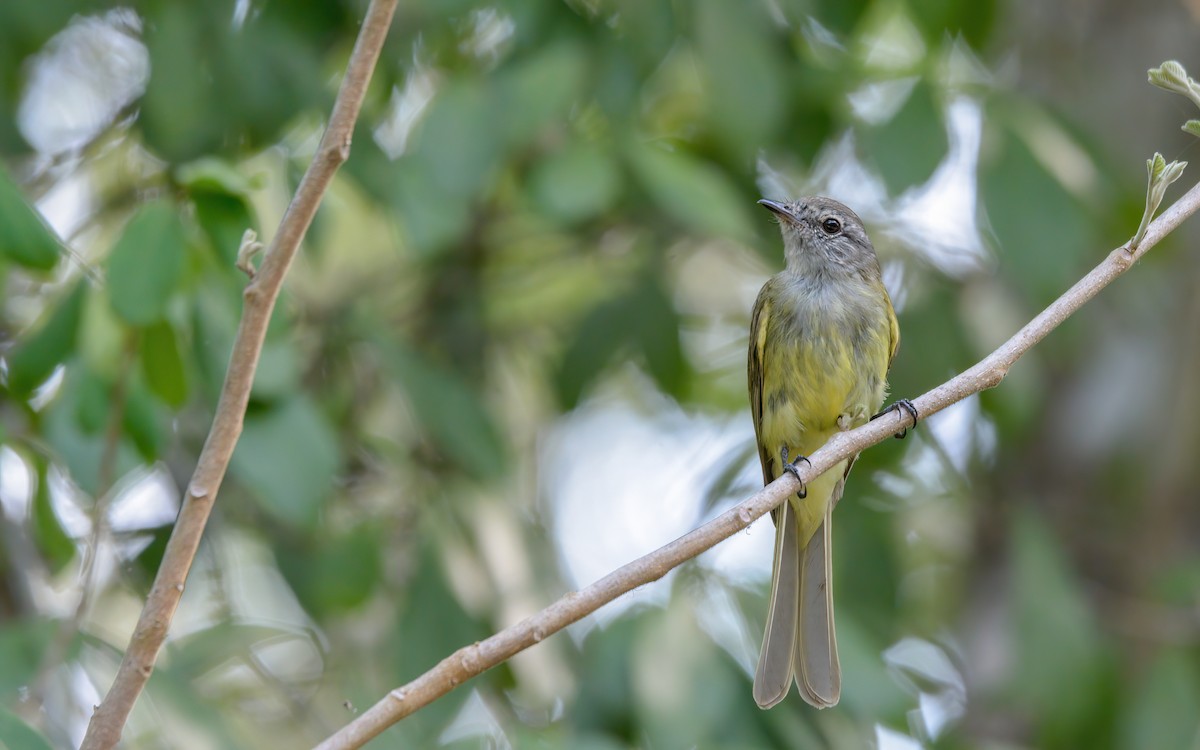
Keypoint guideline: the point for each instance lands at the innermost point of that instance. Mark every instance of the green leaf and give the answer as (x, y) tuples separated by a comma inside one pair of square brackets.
[(432, 219), (216, 175), (220, 192), (15, 734), (103, 336), (874, 691), (93, 395), (617, 80), (338, 574), (1162, 707), (606, 698), (576, 184), (841, 16), (223, 217), (451, 414), (288, 456), (458, 143), (641, 320), (869, 572), (1060, 658), (264, 74), (814, 125), (706, 678), (214, 324), (369, 165), (22, 643), (278, 371), (743, 68), (24, 237), (207, 725), (141, 422), (73, 424), (647, 29), (537, 90), (658, 334), (1171, 76), (180, 116), (52, 541), (940, 19), (596, 340), (693, 192), (907, 148), (1159, 176), (146, 264), (931, 318), (349, 569), (1042, 228), (36, 355), (193, 653), (149, 560), (162, 364), (75, 447), (430, 614)]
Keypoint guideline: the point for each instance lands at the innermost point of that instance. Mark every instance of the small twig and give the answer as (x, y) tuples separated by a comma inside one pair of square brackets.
[(67, 630), (104, 730), (472, 660)]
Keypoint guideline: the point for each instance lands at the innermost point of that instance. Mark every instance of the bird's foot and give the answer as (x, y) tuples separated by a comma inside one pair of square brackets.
[(793, 468), (907, 407)]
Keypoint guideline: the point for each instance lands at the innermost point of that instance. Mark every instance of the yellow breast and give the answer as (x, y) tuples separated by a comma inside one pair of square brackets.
[(820, 373)]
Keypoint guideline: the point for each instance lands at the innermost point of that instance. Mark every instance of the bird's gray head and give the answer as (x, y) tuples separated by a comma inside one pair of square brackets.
[(823, 238)]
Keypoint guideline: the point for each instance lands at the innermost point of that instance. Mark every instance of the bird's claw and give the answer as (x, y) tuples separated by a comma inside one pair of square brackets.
[(793, 468), (907, 407)]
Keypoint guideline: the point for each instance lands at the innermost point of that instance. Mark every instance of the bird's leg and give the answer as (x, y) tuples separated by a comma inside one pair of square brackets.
[(907, 407), (793, 468)]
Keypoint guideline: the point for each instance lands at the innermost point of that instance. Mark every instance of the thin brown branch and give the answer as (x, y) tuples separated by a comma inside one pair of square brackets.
[(469, 661), (259, 297)]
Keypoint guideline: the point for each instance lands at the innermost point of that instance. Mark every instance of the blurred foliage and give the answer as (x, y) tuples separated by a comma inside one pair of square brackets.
[(549, 211)]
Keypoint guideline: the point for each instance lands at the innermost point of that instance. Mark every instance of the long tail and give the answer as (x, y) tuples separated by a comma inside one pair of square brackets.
[(818, 673), (776, 661), (799, 640)]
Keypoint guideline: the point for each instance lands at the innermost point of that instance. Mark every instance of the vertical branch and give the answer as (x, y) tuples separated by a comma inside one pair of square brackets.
[(259, 297)]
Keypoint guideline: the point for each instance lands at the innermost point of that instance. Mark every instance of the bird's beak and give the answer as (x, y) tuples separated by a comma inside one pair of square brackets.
[(778, 209)]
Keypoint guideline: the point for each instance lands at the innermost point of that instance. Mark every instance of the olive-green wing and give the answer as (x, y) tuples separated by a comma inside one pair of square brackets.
[(894, 333), (759, 321)]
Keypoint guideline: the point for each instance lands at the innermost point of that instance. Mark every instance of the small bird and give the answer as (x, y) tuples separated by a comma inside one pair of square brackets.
[(822, 338)]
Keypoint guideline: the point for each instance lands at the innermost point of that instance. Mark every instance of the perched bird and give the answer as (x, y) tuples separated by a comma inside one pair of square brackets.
[(822, 337)]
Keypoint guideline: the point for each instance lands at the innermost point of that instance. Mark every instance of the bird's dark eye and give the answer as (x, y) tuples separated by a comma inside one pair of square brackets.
[(831, 226)]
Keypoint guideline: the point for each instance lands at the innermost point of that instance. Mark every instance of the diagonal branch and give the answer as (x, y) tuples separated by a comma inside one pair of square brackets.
[(104, 731), (472, 660)]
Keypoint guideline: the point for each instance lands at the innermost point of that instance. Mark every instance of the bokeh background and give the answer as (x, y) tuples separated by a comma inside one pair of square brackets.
[(511, 358)]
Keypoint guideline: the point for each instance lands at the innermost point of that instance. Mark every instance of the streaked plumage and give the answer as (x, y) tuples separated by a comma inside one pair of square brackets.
[(823, 334)]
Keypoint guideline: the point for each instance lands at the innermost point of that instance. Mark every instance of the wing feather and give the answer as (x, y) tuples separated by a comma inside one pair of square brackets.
[(759, 320), (894, 332)]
